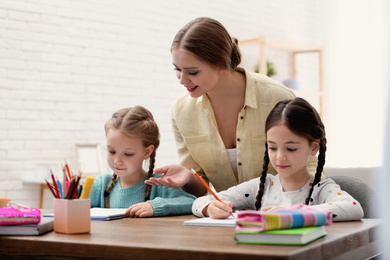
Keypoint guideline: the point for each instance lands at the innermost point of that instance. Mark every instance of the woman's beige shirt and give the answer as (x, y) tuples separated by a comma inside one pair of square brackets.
[(200, 146)]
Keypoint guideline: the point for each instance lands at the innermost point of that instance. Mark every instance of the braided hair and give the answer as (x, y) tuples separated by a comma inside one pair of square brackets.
[(140, 122), (303, 120)]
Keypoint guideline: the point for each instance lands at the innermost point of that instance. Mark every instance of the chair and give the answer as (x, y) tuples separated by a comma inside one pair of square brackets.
[(361, 191)]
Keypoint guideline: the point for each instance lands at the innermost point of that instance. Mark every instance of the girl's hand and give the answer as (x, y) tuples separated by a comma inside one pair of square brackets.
[(140, 210), (175, 176), (218, 210), (270, 208)]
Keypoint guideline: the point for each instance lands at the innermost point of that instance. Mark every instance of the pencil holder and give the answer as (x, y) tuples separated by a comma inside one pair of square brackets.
[(72, 216)]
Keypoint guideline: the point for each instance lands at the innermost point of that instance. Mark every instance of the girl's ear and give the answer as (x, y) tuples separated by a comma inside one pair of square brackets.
[(315, 146), (148, 151)]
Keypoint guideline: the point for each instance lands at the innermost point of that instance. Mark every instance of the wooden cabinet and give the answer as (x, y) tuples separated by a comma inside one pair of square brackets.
[(262, 45)]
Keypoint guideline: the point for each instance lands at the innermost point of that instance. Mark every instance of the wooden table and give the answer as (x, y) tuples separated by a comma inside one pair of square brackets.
[(167, 238)]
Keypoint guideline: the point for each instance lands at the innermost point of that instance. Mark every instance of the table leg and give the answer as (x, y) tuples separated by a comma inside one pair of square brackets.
[(41, 192)]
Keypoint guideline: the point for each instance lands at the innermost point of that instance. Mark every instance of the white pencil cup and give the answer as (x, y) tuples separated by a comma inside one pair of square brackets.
[(72, 216)]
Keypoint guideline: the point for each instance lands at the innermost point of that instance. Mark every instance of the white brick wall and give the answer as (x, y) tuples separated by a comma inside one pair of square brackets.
[(66, 66)]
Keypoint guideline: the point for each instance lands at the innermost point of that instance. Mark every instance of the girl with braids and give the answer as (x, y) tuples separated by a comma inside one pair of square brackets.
[(216, 121), (294, 132), (132, 137)]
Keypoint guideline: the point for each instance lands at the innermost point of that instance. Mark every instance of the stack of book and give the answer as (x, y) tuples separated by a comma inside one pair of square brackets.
[(19, 220), (297, 225)]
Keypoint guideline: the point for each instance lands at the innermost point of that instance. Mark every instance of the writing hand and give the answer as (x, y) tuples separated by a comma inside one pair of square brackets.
[(218, 210)]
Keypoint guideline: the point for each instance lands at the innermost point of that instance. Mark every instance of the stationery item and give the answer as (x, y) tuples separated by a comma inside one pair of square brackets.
[(227, 222), (4, 202), (67, 170), (60, 189), (72, 185), (207, 186), (51, 188), (67, 186), (108, 213), (72, 216), (16, 214), (292, 217), (293, 236), (56, 190), (87, 187), (44, 226), (79, 190), (103, 213), (78, 177)]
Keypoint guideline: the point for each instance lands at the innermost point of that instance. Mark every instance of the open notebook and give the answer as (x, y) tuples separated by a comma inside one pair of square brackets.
[(228, 222), (103, 213), (107, 213)]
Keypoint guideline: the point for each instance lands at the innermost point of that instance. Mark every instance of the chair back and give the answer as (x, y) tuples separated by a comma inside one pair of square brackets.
[(361, 191)]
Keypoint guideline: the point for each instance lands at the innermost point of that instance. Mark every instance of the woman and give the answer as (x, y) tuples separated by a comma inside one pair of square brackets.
[(219, 122)]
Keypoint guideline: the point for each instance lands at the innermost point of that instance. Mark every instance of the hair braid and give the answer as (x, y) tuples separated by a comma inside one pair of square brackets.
[(302, 119), (262, 179), (107, 191), (150, 174), (320, 167), (136, 121)]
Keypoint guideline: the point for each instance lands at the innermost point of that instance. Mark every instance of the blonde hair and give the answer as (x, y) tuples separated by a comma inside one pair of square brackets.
[(140, 122)]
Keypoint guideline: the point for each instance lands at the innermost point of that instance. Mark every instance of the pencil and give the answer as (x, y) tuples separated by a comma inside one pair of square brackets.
[(59, 188), (55, 185), (78, 177), (207, 187), (51, 189), (67, 169), (71, 189)]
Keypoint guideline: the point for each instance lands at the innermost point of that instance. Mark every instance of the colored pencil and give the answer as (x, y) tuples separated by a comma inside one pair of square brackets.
[(51, 189), (207, 187), (67, 169), (60, 189), (55, 184)]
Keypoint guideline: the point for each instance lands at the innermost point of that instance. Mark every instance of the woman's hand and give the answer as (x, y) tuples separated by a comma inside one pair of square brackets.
[(218, 210), (140, 210), (175, 176)]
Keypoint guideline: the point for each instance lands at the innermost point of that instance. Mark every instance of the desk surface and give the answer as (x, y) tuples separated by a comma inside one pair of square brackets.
[(167, 238)]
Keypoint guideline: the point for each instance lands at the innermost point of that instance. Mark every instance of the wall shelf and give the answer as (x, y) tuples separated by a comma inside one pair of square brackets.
[(264, 43)]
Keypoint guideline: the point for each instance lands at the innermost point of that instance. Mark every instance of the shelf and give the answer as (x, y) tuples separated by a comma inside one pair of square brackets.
[(263, 43)]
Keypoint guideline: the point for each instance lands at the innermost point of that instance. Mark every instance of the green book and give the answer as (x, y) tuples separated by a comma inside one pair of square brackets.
[(293, 236)]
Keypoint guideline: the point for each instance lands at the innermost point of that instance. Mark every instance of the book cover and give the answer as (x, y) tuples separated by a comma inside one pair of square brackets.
[(292, 217), (293, 236), (19, 215), (45, 225)]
